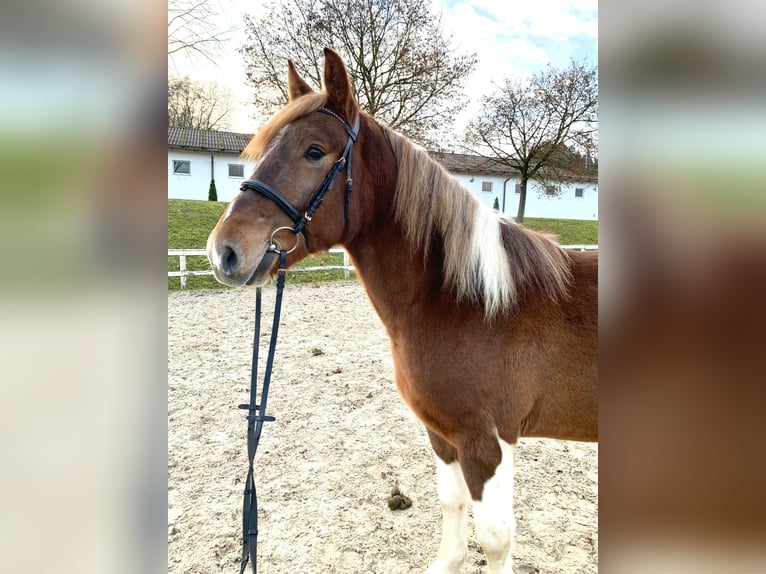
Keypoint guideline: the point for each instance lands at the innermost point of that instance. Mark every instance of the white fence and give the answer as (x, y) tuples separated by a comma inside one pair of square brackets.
[(183, 273), (581, 247)]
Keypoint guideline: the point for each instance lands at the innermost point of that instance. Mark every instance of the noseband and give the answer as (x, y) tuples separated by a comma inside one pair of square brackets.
[(300, 221)]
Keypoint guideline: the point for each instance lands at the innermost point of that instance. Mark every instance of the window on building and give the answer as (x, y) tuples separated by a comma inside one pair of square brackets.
[(486, 186), (181, 167), (518, 188), (236, 170), (579, 192), (550, 190)]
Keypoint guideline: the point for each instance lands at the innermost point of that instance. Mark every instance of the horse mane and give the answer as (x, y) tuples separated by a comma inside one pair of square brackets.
[(295, 109), (487, 258)]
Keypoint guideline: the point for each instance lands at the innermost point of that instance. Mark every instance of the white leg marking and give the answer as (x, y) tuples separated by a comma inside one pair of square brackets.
[(455, 499), (493, 515)]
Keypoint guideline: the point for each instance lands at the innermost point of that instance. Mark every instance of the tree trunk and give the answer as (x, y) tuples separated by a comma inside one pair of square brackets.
[(522, 199)]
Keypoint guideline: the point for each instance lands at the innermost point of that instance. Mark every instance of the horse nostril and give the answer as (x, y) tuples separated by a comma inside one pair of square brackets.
[(229, 260)]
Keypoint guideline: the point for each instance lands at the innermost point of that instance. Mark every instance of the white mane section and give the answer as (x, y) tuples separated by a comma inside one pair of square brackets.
[(488, 263), (487, 258)]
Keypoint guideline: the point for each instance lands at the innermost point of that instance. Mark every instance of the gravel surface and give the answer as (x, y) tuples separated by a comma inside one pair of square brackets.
[(342, 439)]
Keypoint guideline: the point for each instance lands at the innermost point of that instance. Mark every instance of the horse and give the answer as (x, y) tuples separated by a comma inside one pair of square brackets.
[(493, 327)]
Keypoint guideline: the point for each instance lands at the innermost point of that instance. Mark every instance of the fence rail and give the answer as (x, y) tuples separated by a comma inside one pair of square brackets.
[(183, 273)]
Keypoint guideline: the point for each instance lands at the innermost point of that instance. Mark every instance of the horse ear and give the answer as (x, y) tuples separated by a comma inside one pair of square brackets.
[(296, 87), (338, 85)]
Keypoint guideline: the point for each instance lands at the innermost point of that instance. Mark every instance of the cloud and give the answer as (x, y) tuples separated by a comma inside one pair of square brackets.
[(518, 39), (528, 34)]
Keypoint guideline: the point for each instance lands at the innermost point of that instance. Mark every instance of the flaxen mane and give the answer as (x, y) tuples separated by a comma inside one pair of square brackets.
[(487, 258)]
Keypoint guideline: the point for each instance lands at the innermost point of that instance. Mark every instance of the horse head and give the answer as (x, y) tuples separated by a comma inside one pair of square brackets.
[(303, 158)]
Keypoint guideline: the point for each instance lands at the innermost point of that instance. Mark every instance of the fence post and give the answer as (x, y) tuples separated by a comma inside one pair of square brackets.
[(182, 267), (345, 264)]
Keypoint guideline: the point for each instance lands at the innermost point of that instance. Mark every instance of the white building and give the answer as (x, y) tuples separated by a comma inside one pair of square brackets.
[(488, 180), (197, 156)]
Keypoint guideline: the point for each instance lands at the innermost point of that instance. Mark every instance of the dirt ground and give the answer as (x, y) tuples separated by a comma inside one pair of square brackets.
[(342, 438)]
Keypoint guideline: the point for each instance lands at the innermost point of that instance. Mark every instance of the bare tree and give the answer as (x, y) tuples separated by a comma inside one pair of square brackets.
[(198, 105), (545, 127), (404, 69), (192, 29)]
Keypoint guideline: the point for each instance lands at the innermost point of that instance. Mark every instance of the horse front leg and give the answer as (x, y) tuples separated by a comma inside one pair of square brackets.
[(488, 469), (455, 500)]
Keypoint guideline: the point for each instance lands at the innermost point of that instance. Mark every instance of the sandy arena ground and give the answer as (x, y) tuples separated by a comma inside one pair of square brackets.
[(342, 438)]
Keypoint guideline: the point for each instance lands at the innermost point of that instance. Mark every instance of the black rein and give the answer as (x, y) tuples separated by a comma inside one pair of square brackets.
[(256, 415)]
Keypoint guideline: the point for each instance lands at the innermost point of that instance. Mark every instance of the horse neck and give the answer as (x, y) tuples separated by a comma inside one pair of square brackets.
[(396, 276), (396, 280)]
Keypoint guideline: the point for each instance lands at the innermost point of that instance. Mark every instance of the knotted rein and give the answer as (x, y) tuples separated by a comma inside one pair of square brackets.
[(257, 411)]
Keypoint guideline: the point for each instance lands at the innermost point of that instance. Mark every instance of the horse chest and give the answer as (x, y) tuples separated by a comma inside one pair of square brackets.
[(432, 387)]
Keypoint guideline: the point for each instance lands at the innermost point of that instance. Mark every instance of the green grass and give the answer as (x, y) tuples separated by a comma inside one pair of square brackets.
[(569, 231), (190, 222)]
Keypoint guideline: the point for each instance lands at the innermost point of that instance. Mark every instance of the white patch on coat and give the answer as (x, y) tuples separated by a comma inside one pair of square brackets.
[(269, 148), (493, 515)]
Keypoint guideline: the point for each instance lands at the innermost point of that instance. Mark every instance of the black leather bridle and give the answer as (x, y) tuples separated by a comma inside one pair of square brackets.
[(257, 410), (300, 220)]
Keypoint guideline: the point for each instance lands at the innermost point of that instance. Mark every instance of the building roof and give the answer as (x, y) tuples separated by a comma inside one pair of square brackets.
[(207, 140), (232, 142), (462, 163)]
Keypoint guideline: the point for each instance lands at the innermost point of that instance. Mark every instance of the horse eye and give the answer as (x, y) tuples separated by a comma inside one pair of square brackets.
[(314, 153)]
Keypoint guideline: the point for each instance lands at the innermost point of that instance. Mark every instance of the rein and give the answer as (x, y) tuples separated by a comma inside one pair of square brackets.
[(256, 415)]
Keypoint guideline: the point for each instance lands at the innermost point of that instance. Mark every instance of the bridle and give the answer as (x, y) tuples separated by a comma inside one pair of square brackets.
[(300, 221), (256, 415)]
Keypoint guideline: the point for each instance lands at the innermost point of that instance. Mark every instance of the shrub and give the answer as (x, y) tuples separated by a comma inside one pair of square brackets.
[(212, 195)]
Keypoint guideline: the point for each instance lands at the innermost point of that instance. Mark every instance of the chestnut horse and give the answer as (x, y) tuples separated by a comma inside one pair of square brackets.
[(493, 327)]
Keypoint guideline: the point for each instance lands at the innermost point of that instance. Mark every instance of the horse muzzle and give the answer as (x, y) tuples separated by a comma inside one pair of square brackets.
[(232, 266)]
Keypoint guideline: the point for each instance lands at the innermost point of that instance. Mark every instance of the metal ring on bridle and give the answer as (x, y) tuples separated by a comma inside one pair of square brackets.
[(274, 245)]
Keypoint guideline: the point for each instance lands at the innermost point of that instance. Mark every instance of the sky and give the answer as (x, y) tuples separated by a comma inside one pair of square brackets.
[(510, 38)]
